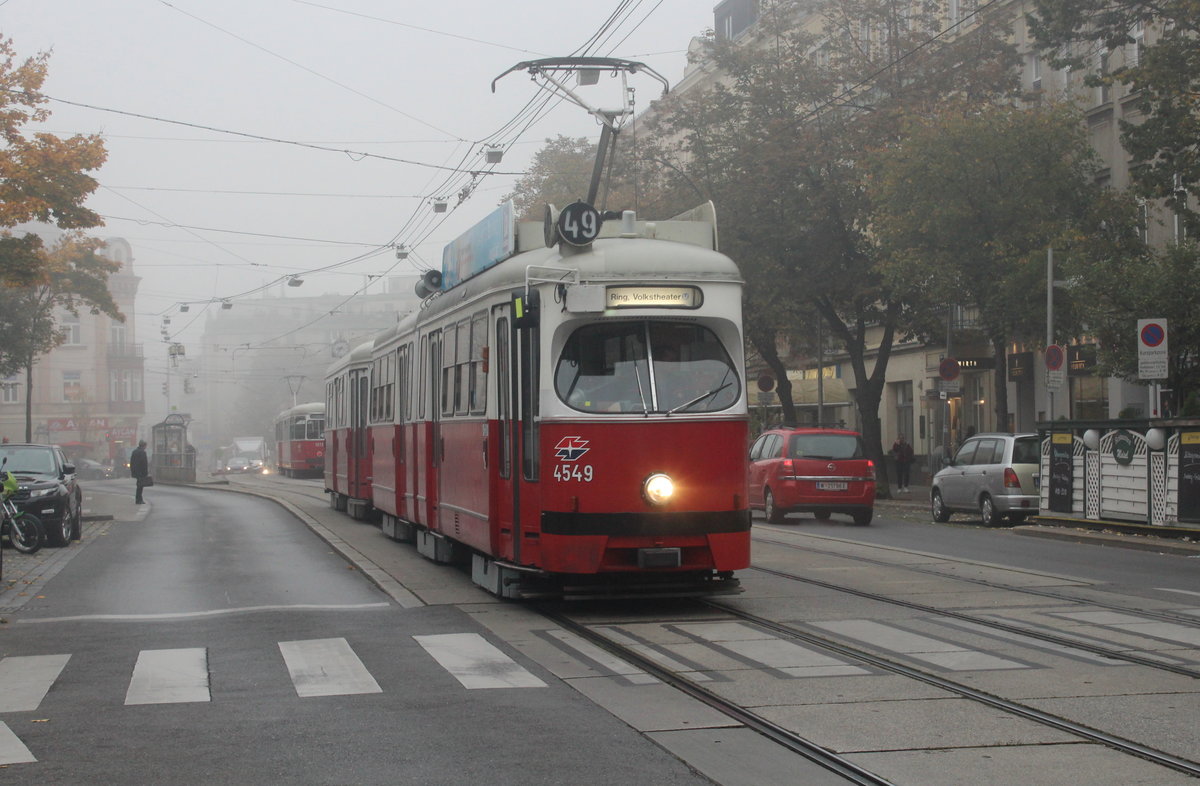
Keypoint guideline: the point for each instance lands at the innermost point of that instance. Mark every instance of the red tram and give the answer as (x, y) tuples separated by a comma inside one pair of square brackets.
[(568, 409), (300, 441), (347, 463)]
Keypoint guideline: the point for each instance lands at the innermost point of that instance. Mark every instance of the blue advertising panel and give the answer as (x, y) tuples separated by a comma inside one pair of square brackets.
[(480, 247)]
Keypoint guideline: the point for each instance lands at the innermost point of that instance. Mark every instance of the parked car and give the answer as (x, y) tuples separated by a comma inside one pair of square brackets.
[(47, 488), (994, 475), (237, 464), (816, 470), (89, 469)]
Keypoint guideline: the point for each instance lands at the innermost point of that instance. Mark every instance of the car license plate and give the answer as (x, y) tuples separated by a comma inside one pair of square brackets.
[(831, 485)]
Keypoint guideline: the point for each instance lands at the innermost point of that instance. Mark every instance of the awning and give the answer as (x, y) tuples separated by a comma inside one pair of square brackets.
[(804, 392)]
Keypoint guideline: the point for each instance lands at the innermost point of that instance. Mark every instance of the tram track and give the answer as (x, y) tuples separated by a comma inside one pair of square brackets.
[(1148, 613), (822, 755), (1049, 638), (1088, 733), (796, 743)]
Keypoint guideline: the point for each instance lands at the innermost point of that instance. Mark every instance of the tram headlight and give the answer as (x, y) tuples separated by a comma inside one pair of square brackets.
[(658, 489)]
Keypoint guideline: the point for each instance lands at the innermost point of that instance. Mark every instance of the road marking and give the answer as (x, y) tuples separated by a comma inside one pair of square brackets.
[(603, 657), (1182, 592), (169, 677), (913, 645), (180, 615), (476, 663), (25, 680), (1036, 643), (764, 649), (1168, 631), (12, 750), (326, 667)]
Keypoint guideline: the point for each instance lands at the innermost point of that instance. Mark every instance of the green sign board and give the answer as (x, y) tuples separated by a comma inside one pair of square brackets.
[(1123, 447)]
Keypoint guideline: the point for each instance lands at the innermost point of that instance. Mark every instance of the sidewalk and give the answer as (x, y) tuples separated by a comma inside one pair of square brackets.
[(21, 575)]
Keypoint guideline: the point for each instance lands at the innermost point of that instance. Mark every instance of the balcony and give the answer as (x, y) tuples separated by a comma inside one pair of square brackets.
[(125, 350)]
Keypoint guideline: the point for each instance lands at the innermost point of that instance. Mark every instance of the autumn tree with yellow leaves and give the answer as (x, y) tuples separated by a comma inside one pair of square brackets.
[(43, 179)]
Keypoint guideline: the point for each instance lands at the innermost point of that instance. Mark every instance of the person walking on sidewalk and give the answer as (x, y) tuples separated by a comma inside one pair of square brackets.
[(903, 453), (139, 468)]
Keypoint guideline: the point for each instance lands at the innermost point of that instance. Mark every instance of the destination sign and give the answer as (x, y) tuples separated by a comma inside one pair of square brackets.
[(654, 297)]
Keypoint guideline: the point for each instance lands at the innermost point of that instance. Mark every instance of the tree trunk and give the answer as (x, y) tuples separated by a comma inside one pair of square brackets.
[(765, 344), (29, 398), (868, 390), (1000, 393)]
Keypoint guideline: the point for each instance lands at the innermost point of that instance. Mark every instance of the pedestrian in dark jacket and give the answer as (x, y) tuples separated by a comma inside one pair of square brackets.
[(903, 453), (139, 468)]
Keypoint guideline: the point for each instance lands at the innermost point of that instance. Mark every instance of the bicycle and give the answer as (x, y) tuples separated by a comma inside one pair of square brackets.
[(24, 530)]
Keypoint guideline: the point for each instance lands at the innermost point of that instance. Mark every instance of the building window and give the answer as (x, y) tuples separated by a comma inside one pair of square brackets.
[(1102, 91), (1035, 71), (116, 335), (1133, 51), (72, 329), (1089, 398), (10, 390), (904, 409), (72, 387)]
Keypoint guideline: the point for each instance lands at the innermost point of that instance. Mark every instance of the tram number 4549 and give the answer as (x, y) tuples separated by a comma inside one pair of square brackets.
[(565, 473)]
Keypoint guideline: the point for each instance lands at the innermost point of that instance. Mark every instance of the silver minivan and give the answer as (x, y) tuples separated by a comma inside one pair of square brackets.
[(994, 475)]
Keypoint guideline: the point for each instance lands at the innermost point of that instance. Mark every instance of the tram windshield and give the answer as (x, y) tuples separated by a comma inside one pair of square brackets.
[(661, 367)]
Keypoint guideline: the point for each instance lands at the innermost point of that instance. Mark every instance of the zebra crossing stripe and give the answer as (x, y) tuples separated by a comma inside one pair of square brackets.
[(924, 648), (25, 680), (12, 750), (476, 663), (326, 667), (169, 677)]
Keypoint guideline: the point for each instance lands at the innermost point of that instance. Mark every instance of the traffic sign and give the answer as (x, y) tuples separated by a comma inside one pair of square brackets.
[(1055, 357), (1153, 358), (1056, 375), (949, 369)]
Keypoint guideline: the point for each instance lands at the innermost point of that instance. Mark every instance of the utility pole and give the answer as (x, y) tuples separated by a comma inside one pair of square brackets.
[(1049, 322)]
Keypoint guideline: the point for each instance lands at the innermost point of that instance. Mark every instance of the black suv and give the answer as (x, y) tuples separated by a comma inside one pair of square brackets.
[(48, 489)]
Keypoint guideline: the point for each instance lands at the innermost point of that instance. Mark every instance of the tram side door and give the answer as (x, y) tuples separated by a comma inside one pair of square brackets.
[(433, 459), (357, 468), (519, 498)]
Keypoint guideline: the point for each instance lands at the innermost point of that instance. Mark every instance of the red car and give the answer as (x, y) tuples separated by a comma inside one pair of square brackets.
[(815, 470)]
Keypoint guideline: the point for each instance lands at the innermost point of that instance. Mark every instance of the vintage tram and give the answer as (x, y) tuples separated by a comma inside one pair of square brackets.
[(568, 409), (300, 441)]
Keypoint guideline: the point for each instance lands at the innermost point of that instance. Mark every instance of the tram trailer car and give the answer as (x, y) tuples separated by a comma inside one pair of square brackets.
[(574, 418), (347, 461), (300, 441)]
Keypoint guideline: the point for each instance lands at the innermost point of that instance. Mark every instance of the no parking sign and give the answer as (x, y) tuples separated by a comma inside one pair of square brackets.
[(1152, 349)]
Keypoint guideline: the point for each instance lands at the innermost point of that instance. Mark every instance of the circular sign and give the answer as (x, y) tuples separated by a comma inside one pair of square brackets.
[(949, 369), (1055, 357), (579, 224), (766, 383), (1123, 447), (340, 348), (1153, 334)]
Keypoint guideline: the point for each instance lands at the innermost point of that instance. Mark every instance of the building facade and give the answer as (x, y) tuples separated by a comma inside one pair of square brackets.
[(88, 394)]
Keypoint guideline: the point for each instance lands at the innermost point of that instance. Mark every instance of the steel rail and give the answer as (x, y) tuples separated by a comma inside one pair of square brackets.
[(1049, 638), (1158, 615), (810, 750), (1029, 713)]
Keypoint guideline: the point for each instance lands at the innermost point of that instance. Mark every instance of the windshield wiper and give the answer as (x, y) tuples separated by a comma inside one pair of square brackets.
[(699, 398)]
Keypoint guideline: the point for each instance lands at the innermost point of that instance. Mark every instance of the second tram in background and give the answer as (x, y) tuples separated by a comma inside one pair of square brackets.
[(300, 441), (567, 410)]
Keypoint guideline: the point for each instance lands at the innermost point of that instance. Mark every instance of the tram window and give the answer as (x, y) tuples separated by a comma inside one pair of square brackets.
[(316, 428), (423, 381), (461, 368), (448, 387), (530, 381), (608, 367), (402, 405), (477, 386), (503, 397)]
